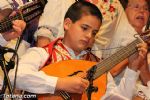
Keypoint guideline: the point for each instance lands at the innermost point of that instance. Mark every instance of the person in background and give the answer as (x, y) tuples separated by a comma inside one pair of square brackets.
[(6, 38), (137, 12)]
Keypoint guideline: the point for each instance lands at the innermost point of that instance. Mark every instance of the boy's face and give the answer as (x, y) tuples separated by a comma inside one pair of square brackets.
[(81, 34), (137, 13)]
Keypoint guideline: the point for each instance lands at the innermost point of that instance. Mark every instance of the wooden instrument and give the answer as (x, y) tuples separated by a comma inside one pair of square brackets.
[(96, 70), (27, 12)]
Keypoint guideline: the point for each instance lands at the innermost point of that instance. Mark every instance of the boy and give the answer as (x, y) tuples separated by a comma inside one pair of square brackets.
[(82, 22)]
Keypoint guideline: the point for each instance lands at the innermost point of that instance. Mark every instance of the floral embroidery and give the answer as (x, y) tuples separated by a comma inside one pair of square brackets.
[(108, 8)]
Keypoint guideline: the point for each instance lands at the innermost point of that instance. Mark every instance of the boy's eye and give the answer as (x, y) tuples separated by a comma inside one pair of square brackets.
[(84, 28), (94, 33)]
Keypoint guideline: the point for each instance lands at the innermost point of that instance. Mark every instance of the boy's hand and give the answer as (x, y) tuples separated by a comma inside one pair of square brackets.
[(136, 60), (18, 27), (72, 84)]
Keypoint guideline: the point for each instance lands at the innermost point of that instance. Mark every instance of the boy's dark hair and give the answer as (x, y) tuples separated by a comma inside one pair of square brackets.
[(80, 8)]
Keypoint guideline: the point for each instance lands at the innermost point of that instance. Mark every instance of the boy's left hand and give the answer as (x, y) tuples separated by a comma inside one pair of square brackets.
[(136, 60)]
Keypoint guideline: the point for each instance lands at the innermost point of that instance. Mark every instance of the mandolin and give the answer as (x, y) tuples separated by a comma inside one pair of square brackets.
[(95, 70), (27, 13)]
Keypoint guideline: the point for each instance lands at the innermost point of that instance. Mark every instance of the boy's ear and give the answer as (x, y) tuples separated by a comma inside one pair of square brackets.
[(67, 23)]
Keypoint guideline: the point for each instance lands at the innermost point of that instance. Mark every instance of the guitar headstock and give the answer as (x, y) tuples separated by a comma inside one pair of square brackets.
[(27, 12)]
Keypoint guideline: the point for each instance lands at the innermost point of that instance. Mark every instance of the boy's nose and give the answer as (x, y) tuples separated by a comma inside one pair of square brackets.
[(89, 34)]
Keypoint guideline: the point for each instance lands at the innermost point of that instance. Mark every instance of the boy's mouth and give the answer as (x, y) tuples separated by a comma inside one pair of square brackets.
[(85, 42)]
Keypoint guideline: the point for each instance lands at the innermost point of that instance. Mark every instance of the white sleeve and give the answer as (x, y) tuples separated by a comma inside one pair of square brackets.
[(125, 89), (51, 21), (29, 78), (3, 42)]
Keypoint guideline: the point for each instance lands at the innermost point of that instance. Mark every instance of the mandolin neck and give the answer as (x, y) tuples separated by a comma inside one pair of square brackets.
[(115, 58)]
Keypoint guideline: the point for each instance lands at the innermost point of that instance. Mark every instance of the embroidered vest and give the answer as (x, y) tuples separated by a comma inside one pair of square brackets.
[(58, 52)]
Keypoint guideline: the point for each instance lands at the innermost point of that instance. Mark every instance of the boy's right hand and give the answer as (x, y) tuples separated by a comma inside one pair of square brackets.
[(72, 84)]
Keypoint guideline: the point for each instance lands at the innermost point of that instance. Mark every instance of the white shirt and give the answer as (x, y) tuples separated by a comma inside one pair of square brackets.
[(29, 78)]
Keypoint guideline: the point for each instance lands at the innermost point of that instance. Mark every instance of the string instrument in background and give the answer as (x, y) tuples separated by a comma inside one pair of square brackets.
[(96, 73), (27, 13)]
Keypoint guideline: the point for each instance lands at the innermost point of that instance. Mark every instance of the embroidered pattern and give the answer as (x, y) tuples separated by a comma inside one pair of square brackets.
[(108, 8), (60, 53)]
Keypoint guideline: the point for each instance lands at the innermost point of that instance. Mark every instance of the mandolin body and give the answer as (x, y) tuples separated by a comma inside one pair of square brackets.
[(68, 67)]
